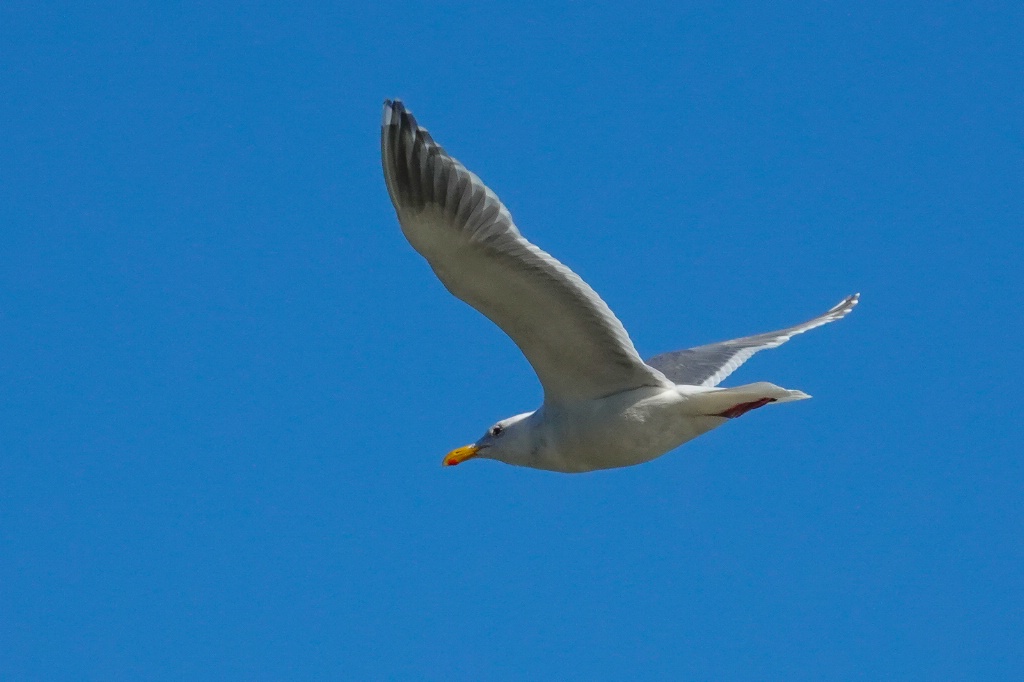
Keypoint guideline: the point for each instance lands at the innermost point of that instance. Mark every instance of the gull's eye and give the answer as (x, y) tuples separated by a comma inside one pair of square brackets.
[(496, 430)]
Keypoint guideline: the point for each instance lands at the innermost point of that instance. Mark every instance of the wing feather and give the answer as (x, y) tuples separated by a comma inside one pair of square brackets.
[(576, 345), (709, 365)]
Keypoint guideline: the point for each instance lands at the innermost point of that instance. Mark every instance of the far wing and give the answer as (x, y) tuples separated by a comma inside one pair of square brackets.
[(577, 347), (709, 365)]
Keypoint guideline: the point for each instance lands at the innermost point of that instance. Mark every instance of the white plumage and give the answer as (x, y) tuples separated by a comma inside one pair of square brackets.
[(603, 405)]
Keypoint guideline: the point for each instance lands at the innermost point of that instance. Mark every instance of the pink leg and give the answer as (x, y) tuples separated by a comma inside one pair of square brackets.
[(743, 408)]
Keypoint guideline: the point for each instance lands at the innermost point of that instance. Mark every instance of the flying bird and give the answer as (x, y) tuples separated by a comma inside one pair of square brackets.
[(604, 407)]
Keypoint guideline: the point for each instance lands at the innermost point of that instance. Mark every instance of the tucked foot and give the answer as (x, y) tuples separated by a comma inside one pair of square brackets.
[(742, 408)]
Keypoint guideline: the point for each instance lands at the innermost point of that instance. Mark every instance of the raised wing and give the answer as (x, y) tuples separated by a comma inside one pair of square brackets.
[(576, 345), (709, 365)]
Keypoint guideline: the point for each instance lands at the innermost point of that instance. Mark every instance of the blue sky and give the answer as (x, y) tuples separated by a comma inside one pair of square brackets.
[(228, 381)]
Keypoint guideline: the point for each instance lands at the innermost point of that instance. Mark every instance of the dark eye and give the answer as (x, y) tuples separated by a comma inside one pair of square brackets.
[(496, 430)]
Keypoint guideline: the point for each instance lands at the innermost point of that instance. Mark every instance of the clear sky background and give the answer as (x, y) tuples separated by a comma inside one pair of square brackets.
[(228, 382)]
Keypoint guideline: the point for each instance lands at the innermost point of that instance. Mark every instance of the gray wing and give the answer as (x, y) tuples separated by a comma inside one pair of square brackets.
[(576, 345), (709, 365)]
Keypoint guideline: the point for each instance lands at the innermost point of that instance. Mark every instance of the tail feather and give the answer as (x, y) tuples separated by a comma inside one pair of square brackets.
[(733, 402)]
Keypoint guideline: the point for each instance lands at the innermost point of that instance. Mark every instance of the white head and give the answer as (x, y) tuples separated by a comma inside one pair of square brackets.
[(513, 441)]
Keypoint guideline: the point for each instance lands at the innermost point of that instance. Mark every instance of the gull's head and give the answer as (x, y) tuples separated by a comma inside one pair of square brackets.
[(511, 440)]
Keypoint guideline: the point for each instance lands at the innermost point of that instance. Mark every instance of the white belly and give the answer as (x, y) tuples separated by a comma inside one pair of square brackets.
[(621, 430)]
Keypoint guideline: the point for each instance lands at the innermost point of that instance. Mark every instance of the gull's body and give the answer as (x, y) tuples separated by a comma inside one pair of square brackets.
[(603, 407), (630, 427)]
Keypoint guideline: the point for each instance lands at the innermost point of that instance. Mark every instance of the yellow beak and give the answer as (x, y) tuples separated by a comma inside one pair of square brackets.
[(460, 455)]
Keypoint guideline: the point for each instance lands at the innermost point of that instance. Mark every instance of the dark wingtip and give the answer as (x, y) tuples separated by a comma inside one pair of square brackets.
[(393, 112)]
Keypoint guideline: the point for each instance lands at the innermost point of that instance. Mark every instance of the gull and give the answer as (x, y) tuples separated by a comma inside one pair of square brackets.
[(604, 407)]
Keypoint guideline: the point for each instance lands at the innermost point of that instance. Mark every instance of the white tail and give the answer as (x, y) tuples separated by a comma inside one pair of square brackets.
[(733, 402)]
